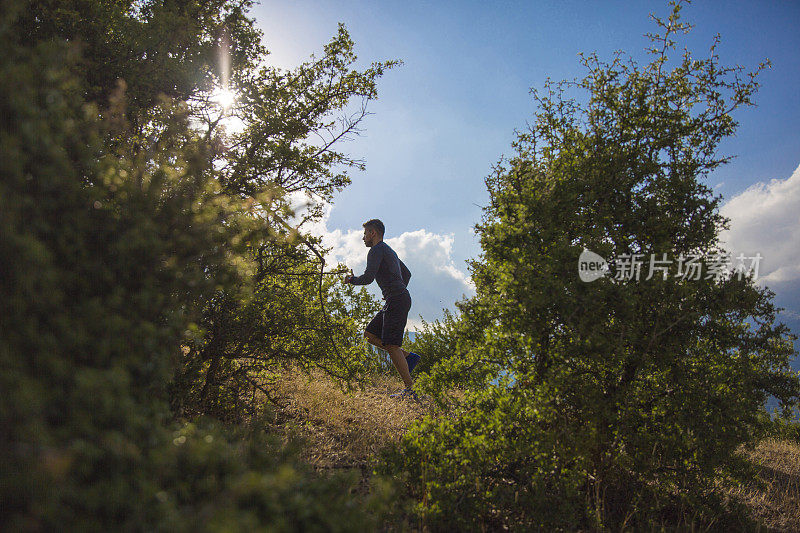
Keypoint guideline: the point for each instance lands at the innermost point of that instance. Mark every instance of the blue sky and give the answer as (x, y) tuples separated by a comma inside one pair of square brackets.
[(449, 112)]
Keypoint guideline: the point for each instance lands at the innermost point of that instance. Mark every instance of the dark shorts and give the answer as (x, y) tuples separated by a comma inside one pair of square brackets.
[(390, 322)]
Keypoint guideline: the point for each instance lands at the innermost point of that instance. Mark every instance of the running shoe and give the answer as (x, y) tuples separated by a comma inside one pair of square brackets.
[(412, 359), (405, 394)]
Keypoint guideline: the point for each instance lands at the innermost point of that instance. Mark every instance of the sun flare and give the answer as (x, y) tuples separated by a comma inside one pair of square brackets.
[(224, 97)]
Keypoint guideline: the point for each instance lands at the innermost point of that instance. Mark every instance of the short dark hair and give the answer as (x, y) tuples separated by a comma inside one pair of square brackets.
[(375, 224)]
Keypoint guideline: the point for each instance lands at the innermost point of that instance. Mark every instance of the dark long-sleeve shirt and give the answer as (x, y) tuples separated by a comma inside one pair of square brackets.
[(387, 269)]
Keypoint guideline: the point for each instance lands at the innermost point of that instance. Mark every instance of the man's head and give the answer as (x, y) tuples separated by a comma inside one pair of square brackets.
[(373, 232)]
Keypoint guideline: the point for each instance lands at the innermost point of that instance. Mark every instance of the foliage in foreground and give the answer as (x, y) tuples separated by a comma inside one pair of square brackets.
[(623, 400), (116, 235)]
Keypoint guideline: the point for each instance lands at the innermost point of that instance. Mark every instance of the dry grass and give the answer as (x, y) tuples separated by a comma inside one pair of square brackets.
[(344, 429), (777, 503)]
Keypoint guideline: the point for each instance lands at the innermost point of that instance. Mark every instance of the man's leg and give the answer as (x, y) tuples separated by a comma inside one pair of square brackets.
[(376, 341), (394, 323), (399, 360), (401, 369)]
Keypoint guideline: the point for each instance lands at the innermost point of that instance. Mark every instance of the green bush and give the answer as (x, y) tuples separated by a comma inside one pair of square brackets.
[(454, 357), (786, 425), (619, 403), (209, 479), (497, 462), (114, 230)]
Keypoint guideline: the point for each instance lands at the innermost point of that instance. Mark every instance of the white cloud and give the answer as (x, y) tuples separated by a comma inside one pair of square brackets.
[(436, 281), (432, 249), (765, 218)]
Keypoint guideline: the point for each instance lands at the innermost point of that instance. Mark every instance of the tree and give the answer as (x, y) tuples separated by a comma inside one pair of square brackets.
[(292, 123), (291, 126), (631, 396), (116, 232), (168, 48)]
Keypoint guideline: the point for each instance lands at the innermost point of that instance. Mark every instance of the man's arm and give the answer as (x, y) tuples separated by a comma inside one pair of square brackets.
[(404, 272), (374, 258)]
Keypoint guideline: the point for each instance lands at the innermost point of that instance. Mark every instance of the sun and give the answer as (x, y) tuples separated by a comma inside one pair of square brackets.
[(224, 97)]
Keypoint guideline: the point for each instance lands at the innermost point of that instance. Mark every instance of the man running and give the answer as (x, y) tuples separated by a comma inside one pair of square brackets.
[(386, 330)]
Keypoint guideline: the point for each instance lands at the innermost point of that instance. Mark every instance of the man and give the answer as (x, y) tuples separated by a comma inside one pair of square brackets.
[(386, 330)]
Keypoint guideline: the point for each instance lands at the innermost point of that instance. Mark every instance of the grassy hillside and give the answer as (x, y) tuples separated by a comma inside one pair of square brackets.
[(774, 498), (346, 430), (342, 429)]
